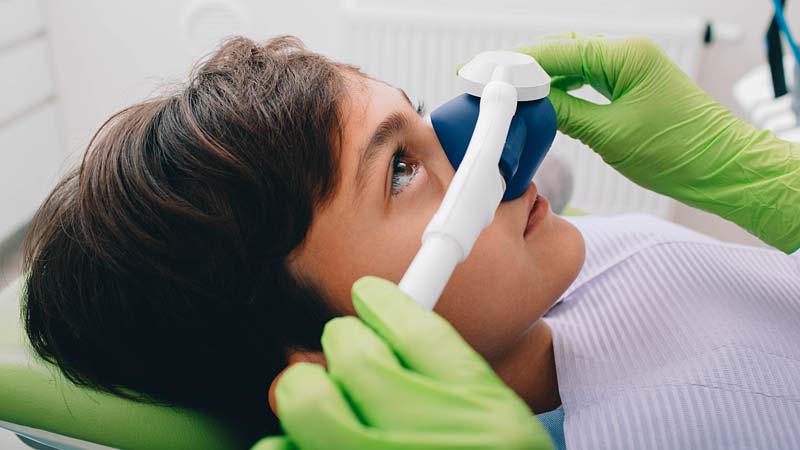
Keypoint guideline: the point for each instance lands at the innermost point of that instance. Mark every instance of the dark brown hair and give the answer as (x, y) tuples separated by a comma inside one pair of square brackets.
[(157, 269)]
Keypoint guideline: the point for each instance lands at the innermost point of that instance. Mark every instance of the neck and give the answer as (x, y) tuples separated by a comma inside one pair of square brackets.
[(529, 368)]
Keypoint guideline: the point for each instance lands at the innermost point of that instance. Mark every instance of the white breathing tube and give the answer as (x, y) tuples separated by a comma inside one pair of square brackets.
[(501, 79)]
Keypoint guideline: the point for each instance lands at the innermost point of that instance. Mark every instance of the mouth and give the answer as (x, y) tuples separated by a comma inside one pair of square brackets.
[(539, 207)]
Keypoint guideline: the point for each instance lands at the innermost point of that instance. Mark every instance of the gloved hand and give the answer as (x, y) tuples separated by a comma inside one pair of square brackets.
[(664, 133), (399, 378), (274, 443)]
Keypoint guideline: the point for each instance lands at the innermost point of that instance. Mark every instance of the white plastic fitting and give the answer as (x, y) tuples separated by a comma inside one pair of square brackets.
[(501, 79), (519, 70)]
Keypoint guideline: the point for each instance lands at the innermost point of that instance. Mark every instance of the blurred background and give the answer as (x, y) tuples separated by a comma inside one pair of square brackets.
[(65, 67)]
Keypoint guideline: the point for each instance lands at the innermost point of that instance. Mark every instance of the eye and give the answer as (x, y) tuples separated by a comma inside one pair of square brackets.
[(403, 170)]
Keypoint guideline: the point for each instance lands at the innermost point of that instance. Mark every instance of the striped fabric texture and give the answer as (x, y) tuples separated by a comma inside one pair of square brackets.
[(671, 340)]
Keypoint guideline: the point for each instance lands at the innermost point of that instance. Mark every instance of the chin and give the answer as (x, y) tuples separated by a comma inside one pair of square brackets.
[(565, 252), (573, 247)]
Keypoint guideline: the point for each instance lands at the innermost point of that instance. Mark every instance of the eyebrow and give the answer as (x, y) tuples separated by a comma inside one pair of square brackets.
[(392, 125)]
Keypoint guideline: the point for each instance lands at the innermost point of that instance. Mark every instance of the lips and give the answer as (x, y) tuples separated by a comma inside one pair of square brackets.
[(537, 210)]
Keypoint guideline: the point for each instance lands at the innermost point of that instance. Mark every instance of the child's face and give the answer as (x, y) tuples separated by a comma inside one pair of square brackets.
[(375, 227)]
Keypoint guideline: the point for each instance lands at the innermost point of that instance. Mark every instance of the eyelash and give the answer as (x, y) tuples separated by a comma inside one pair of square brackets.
[(401, 154), (421, 108)]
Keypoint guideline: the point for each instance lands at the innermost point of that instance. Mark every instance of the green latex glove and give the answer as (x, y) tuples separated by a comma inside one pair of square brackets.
[(399, 378), (274, 443), (664, 133)]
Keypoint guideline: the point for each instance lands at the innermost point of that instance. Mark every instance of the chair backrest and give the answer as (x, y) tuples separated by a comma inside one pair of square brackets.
[(38, 403)]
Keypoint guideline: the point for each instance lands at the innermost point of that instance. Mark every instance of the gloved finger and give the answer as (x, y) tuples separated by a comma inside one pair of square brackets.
[(582, 58), (566, 82), (306, 397), (422, 340), (576, 117), (274, 443), (528, 49), (525, 48), (559, 55), (369, 373), (316, 416), (366, 369)]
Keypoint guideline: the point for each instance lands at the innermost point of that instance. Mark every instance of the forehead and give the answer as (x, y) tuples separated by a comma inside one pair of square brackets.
[(370, 101)]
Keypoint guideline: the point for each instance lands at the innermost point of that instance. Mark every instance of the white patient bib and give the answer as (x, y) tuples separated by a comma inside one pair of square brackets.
[(671, 340)]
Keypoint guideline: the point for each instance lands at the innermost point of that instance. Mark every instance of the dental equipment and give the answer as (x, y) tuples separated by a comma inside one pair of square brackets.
[(787, 34), (512, 124)]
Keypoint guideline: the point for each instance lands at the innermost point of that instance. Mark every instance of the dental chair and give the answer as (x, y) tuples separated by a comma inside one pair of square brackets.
[(46, 411)]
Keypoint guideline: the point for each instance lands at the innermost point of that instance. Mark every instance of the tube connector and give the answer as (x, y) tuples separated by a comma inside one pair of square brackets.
[(470, 201)]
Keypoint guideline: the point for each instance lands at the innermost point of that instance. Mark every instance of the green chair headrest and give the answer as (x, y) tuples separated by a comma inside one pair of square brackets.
[(34, 394)]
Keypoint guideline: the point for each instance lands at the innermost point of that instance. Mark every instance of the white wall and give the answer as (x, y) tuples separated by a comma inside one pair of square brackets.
[(30, 152), (111, 54)]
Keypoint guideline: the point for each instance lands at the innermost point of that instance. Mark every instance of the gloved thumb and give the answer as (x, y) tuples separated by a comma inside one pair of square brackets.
[(576, 117)]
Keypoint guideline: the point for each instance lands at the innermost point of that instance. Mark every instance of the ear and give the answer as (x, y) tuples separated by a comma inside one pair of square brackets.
[(295, 356)]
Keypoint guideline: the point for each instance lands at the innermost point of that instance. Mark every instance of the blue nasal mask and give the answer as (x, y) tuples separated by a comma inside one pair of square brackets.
[(530, 136), (495, 136)]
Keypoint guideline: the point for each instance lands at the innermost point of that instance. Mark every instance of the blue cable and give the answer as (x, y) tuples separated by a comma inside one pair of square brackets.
[(785, 30)]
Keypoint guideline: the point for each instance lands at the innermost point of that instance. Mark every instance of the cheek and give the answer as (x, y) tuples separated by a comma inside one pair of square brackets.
[(391, 252), (507, 283), (382, 248), (391, 242), (483, 298)]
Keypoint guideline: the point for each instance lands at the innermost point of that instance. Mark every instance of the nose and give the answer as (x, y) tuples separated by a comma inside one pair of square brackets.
[(530, 136)]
